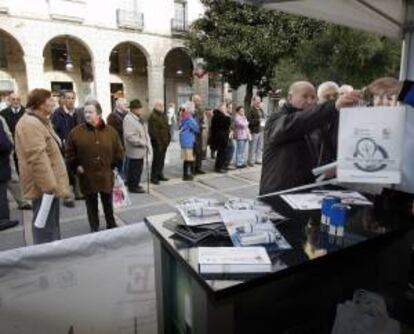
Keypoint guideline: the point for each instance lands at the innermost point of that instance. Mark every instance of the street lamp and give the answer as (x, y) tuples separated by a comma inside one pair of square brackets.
[(129, 69), (68, 64)]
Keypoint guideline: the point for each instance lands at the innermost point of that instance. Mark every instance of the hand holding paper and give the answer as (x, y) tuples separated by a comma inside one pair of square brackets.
[(44, 210)]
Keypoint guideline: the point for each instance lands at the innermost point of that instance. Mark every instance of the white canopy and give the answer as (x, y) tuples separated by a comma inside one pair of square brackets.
[(385, 17)]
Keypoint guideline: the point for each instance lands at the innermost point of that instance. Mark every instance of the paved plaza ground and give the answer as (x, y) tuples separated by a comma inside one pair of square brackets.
[(161, 199)]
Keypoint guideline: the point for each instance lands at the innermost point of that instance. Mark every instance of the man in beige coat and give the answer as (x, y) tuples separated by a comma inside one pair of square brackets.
[(42, 168), (136, 139)]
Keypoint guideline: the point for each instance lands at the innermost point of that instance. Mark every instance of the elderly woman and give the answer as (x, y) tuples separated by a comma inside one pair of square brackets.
[(42, 169), (189, 130), (241, 134), (328, 91), (93, 150)]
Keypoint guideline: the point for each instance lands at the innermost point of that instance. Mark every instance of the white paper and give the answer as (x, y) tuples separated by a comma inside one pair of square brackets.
[(200, 211), (370, 144), (313, 201), (233, 255), (44, 210)]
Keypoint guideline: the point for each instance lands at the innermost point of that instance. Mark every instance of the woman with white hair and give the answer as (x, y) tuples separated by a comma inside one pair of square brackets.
[(328, 91)]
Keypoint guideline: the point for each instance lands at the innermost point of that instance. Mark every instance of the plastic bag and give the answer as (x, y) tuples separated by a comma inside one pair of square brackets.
[(120, 195)]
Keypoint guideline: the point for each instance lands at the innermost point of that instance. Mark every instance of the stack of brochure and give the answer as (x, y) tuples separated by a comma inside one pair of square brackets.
[(233, 260), (313, 200)]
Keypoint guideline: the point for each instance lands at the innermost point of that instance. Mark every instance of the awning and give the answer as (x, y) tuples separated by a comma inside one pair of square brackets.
[(385, 17)]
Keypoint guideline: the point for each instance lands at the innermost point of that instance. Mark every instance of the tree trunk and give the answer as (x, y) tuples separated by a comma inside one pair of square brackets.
[(248, 96)]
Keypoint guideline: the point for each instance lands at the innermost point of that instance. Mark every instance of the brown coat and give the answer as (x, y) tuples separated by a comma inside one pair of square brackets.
[(97, 150), (41, 165)]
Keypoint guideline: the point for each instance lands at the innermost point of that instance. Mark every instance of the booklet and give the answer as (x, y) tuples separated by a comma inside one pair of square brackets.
[(218, 260), (313, 200), (200, 211), (252, 228)]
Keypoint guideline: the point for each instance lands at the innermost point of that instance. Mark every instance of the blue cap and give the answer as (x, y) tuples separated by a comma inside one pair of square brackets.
[(327, 203), (339, 214)]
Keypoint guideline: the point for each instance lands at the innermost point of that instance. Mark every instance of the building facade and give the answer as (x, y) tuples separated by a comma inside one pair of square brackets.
[(99, 48)]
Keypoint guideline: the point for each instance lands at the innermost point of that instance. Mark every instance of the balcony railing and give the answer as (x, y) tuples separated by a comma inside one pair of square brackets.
[(73, 10), (179, 26), (129, 19), (4, 7)]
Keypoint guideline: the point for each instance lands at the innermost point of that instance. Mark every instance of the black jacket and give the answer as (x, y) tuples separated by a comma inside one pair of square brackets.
[(63, 124), (158, 129), (219, 130), (12, 118), (5, 149), (253, 116), (291, 149)]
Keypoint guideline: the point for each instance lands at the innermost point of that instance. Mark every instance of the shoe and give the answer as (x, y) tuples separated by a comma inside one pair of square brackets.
[(221, 171), (188, 178), (163, 178), (137, 190), (154, 181), (241, 166), (199, 171), (5, 224), (25, 206), (258, 162), (111, 226), (69, 203)]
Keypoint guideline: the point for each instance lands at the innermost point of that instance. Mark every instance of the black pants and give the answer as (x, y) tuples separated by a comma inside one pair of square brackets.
[(221, 158), (51, 231), (157, 167), (229, 153), (198, 154), (4, 202), (91, 201), (134, 172)]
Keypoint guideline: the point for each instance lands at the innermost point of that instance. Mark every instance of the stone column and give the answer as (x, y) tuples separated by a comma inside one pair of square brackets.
[(155, 84), (35, 72), (102, 85)]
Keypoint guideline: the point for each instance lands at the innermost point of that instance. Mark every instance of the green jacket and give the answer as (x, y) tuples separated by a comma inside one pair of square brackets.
[(158, 128)]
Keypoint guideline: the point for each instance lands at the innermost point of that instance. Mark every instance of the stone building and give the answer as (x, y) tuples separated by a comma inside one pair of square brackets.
[(99, 47)]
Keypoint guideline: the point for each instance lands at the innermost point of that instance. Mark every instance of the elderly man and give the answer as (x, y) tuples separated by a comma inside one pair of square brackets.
[(160, 135), (328, 91), (257, 121), (290, 152), (64, 120), (201, 139), (13, 112)]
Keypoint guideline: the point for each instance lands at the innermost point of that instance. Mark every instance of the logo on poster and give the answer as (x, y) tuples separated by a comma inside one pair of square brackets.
[(370, 157)]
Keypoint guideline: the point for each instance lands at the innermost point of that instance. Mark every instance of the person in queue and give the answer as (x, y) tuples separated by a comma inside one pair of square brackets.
[(93, 150), (42, 168), (290, 152)]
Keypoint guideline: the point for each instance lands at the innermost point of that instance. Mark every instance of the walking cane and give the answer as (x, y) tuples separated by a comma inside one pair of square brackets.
[(148, 171)]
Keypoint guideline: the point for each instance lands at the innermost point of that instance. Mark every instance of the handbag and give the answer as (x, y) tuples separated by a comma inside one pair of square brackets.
[(120, 196)]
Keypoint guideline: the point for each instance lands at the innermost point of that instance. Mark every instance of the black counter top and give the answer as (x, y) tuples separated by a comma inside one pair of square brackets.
[(366, 227)]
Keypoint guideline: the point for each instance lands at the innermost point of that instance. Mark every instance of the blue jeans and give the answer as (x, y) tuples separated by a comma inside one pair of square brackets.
[(240, 152)]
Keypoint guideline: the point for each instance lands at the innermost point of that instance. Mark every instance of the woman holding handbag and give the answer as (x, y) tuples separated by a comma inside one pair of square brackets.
[(93, 150)]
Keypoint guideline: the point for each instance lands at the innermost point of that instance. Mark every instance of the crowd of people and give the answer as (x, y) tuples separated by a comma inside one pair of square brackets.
[(72, 153)]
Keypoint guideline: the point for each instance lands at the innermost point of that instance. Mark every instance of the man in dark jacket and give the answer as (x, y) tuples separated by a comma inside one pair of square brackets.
[(6, 148), (64, 120), (116, 120), (159, 132), (12, 115), (290, 153), (257, 120), (200, 118)]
